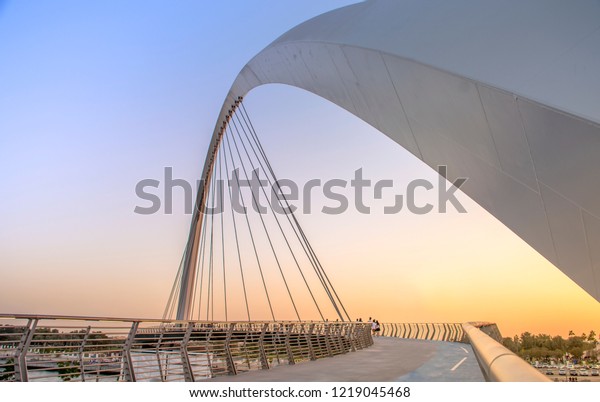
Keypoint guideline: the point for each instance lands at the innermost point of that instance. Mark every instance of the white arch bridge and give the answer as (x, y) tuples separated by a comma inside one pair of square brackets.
[(504, 93)]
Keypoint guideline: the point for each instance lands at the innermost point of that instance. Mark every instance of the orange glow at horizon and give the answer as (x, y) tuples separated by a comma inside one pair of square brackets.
[(396, 268)]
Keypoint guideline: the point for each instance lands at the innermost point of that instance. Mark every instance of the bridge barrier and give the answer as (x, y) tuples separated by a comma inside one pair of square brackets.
[(447, 332), (43, 348), (497, 362)]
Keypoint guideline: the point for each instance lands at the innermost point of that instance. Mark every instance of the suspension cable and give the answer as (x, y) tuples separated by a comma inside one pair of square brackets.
[(238, 134), (202, 260), (210, 299), (221, 212), (301, 240), (279, 194), (279, 224), (237, 179), (318, 267), (171, 301), (256, 203), (237, 243)]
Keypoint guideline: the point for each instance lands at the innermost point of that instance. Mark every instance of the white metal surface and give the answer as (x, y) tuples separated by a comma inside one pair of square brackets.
[(503, 92)]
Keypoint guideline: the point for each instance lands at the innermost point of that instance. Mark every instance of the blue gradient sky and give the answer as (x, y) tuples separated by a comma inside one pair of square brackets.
[(95, 96)]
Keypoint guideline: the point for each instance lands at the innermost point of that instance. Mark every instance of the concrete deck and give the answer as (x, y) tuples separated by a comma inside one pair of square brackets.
[(389, 359)]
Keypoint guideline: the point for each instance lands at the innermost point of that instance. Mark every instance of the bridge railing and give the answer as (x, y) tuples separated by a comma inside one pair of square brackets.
[(447, 332), (46, 348), (497, 363)]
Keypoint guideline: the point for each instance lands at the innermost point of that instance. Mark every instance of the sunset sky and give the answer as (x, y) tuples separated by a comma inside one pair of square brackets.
[(96, 96)]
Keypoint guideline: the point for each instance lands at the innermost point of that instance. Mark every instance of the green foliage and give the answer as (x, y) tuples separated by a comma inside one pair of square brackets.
[(546, 347), (7, 372), (68, 370)]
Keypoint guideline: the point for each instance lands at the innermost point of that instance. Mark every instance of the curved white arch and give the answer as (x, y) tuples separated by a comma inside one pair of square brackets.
[(505, 93)]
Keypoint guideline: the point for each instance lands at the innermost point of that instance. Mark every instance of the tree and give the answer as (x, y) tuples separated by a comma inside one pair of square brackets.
[(511, 344), (577, 352), (542, 346), (558, 343), (527, 340), (592, 338)]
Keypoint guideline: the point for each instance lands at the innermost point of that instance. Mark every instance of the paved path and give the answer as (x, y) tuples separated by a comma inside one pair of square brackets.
[(389, 359), (451, 362)]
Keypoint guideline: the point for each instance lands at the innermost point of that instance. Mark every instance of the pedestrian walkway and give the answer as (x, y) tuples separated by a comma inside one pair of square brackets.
[(389, 359), (451, 362)]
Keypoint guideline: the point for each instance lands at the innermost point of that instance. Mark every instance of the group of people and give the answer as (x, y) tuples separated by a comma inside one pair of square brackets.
[(375, 327)]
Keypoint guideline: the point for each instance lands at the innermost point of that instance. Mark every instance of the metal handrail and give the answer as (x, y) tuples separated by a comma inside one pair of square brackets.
[(447, 332), (497, 362), (117, 319), (75, 348)]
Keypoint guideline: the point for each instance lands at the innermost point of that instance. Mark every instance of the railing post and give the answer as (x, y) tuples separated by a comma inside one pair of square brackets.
[(463, 335), (350, 331), (328, 340), (188, 373), (358, 335), (339, 343), (333, 338), (340, 338), (309, 337), (128, 371), (21, 353), (288, 345), (81, 350), (208, 349), (228, 356), (264, 362), (248, 334), (366, 336), (427, 333), (163, 375)]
